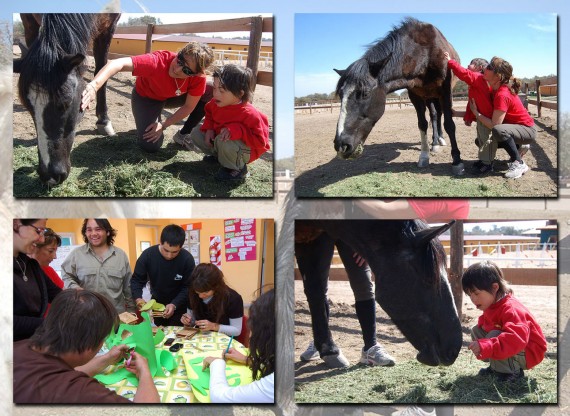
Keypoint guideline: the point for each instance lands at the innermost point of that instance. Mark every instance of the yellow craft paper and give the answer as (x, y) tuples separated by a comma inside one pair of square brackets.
[(237, 374)]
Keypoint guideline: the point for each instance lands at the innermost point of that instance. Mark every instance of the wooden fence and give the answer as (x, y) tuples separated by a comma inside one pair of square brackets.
[(551, 90), (255, 25)]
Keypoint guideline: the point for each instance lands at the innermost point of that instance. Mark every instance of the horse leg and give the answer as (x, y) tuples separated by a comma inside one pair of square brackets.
[(457, 167), (434, 109), (420, 106), (105, 27), (314, 260)]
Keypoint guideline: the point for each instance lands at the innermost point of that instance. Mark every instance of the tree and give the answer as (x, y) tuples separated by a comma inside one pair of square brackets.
[(142, 21)]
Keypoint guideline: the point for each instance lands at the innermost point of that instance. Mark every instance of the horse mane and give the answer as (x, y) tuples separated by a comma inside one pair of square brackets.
[(389, 49), (434, 257), (60, 34)]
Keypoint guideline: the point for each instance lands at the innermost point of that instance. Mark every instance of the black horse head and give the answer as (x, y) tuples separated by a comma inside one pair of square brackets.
[(409, 264), (54, 107), (51, 81)]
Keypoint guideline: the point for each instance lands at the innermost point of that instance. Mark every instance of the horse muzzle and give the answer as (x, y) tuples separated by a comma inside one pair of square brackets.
[(346, 150)]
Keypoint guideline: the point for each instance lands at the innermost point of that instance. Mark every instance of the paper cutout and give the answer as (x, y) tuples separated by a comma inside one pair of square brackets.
[(236, 374), (154, 305), (144, 342), (128, 317)]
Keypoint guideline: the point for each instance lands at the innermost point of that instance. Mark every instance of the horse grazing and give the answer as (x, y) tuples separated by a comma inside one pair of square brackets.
[(411, 57), (51, 81), (411, 285)]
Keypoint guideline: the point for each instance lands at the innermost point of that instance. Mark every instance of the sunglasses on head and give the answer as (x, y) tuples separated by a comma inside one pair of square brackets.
[(491, 67), (182, 63)]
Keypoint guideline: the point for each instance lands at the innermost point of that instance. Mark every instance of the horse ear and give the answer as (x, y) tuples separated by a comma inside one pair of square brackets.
[(424, 236), (376, 67), (340, 71), (71, 61)]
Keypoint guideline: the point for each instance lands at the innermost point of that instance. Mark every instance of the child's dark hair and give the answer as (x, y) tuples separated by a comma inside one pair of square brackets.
[(480, 63), (236, 79), (481, 276)]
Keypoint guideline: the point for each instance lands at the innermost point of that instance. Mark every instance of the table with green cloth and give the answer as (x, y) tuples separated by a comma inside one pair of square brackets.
[(187, 383)]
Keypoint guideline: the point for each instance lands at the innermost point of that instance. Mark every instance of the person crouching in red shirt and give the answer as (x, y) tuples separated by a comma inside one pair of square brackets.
[(507, 334), (234, 133)]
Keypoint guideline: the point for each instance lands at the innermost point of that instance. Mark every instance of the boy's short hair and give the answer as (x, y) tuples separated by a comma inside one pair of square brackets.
[(173, 234), (78, 321), (480, 62), (236, 79)]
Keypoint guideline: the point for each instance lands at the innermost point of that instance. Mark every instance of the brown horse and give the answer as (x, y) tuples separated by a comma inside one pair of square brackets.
[(51, 81), (411, 57)]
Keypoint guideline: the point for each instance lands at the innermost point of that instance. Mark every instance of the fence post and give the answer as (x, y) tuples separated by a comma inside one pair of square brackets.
[(148, 44), (456, 264), (538, 98), (254, 48)]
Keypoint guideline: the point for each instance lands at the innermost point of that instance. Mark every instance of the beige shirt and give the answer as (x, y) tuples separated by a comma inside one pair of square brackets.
[(110, 276)]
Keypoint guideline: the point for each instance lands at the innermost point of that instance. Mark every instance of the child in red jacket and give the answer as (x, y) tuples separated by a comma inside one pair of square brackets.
[(507, 335), (233, 133)]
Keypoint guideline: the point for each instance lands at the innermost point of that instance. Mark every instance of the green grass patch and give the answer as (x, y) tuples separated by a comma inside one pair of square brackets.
[(412, 382), (115, 167), (409, 184)]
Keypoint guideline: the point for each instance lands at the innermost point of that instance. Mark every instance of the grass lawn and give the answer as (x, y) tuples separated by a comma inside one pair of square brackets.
[(412, 382)]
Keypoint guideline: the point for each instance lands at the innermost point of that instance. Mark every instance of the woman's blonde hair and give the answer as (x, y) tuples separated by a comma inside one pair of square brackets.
[(203, 55)]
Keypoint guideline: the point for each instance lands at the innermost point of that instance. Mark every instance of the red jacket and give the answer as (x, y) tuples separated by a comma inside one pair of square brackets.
[(478, 89), (244, 122), (520, 331)]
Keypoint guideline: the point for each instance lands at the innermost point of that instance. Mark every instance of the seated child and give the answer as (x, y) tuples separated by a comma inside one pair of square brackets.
[(233, 133), (507, 335)]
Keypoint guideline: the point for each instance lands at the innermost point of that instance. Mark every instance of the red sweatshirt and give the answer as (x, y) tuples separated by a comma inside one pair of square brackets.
[(520, 331), (478, 89), (244, 122)]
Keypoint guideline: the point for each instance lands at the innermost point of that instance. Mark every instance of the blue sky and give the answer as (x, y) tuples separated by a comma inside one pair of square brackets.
[(527, 41), (465, 35)]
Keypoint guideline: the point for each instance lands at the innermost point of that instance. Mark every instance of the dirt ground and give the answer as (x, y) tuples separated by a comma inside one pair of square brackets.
[(541, 301), (394, 143), (119, 89)]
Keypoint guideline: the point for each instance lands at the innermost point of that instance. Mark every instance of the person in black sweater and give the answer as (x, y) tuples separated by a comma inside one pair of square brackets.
[(168, 268)]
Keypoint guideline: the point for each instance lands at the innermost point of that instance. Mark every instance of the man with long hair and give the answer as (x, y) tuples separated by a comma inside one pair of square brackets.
[(99, 265)]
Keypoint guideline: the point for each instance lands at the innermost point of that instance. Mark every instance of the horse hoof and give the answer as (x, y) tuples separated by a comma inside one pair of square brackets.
[(458, 170), (336, 360), (441, 141), (106, 129), (423, 162), (436, 149)]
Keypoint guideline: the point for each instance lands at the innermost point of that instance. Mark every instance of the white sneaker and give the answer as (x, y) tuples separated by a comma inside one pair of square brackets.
[(336, 361), (310, 353), (516, 170), (414, 411), (183, 140), (377, 355)]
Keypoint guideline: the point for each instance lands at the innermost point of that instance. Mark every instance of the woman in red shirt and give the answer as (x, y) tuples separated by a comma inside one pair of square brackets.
[(164, 79), (506, 334), (510, 122)]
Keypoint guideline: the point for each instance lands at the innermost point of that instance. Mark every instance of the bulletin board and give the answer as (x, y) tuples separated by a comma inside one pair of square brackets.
[(240, 239)]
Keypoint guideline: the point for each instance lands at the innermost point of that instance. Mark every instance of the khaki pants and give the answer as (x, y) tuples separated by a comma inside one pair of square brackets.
[(232, 154), (511, 365), (487, 146)]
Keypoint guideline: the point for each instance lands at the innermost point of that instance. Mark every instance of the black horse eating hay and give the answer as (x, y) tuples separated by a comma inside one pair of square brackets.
[(409, 265), (51, 81), (410, 57)]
